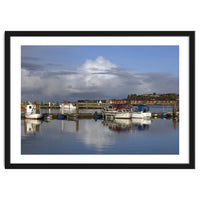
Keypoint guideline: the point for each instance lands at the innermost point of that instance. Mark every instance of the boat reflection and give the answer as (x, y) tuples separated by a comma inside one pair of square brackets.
[(67, 110), (31, 126), (118, 125), (141, 124), (124, 125)]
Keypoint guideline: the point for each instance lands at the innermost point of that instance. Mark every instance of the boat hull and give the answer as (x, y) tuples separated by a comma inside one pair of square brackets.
[(109, 113), (33, 116), (141, 115), (123, 115)]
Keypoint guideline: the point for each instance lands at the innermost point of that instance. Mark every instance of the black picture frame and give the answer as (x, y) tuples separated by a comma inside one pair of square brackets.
[(191, 153)]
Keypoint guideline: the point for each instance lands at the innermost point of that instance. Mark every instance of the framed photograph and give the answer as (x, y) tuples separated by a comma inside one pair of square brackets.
[(99, 100)]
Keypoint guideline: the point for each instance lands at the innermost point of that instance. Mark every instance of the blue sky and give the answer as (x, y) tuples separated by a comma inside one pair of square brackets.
[(97, 72)]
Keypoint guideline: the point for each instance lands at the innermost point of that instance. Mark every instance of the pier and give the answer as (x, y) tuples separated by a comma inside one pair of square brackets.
[(86, 105), (80, 105)]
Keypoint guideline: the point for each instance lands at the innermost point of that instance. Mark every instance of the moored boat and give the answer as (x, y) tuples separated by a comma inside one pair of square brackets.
[(118, 111), (164, 115), (140, 111), (61, 117), (97, 115), (123, 114), (33, 111)]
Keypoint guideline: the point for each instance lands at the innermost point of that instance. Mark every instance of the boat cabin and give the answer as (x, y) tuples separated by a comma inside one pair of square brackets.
[(32, 108), (140, 108), (121, 107), (29, 108)]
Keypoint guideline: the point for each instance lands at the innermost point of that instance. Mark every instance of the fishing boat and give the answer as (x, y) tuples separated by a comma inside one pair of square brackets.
[(33, 111), (109, 110), (140, 111), (123, 114), (118, 111)]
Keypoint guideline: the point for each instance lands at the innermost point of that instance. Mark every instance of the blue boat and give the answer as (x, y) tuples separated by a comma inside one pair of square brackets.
[(164, 115), (61, 117), (97, 116)]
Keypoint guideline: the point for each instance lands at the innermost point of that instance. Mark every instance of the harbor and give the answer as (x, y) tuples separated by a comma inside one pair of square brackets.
[(88, 130), (92, 99), (88, 110)]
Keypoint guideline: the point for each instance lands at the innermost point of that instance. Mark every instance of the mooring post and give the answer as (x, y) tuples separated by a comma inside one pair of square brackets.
[(77, 109), (174, 110), (25, 104)]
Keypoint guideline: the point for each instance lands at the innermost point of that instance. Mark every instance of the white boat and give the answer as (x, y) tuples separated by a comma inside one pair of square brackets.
[(118, 111), (141, 111), (33, 111), (123, 114), (68, 106), (109, 111)]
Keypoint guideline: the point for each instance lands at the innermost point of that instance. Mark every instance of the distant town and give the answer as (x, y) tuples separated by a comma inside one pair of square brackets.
[(148, 99)]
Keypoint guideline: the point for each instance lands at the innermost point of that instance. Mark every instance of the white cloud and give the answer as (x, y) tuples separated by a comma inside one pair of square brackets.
[(95, 79), (100, 65)]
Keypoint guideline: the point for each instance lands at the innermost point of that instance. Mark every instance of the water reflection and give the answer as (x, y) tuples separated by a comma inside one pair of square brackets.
[(67, 110), (118, 136), (141, 124), (118, 125), (93, 135), (31, 126), (125, 125)]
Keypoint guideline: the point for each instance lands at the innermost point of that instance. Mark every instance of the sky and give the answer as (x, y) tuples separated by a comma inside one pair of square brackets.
[(72, 73)]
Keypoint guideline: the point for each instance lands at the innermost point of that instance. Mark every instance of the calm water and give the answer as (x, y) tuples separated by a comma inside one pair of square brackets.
[(136, 136)]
